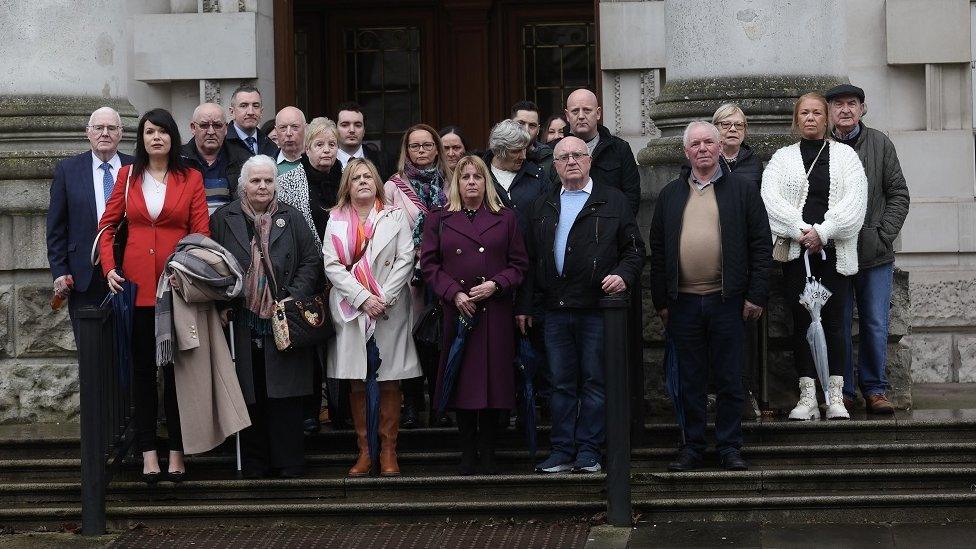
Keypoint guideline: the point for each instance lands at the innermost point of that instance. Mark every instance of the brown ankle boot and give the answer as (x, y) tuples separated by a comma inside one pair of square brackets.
[(357, 407), (389, 428)]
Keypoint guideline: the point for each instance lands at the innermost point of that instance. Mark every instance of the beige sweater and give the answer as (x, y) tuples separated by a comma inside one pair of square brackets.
[(700, 246)]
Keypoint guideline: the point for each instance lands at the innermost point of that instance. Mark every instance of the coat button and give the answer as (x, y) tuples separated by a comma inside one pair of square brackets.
[(386, 264), (462, 282), (569, 249), (561, 303), (385, 317), (152, 251), (482, 250), (458, 251)]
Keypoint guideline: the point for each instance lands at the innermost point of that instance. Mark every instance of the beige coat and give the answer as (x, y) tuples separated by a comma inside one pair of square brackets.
[(209, 395), (391, 256)]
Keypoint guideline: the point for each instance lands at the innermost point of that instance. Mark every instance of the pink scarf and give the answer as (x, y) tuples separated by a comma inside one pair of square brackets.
[(351, 248)]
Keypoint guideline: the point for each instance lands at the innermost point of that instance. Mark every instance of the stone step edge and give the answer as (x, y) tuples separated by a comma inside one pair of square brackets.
[(859, 473), (664, 504), (747, 426), (638, 453)]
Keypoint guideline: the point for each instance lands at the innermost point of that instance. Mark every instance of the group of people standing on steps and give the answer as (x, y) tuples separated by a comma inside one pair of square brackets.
[(522, 241), (837, 195)]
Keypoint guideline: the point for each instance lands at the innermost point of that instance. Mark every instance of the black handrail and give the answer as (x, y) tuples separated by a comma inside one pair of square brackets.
[(106, 412), (616, 367)]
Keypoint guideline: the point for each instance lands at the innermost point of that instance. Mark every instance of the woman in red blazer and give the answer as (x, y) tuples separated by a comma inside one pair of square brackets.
[(165, 202)]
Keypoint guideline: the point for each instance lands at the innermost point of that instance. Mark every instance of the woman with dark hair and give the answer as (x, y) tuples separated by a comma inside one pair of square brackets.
[(815, 193), (473, 259), (554, 129), (418, 188), (164, 201), (454, 145), (268, 129)]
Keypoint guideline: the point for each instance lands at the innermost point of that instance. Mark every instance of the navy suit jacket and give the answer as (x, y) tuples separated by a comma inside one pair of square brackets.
[(71, 221)]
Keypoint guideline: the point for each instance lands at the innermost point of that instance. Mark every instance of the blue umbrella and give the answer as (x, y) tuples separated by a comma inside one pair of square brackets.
[(672, 381), (123, 307), (527, 362), (464, 326), (373, 362)]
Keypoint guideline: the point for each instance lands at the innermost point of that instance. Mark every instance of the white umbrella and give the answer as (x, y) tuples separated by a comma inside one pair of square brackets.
[(813, 297)]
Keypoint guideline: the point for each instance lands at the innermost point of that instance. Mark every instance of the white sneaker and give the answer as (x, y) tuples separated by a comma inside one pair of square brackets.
[(807, 408), (835, 399)]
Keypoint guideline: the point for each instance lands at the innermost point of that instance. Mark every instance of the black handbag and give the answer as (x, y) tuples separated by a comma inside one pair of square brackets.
[(300, 323), (121, 234), (427, 330)]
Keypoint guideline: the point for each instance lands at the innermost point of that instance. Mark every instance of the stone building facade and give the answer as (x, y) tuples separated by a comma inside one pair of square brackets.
[(662, 63)]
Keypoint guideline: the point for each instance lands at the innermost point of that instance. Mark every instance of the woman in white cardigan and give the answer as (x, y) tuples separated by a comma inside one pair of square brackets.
[(815, 193), (368, 252)]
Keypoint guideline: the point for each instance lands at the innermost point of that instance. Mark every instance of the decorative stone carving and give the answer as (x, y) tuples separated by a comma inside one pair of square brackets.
[(6, 321), (211, 91), (931, 357), (38, 392), (40, 331), (966, 346)]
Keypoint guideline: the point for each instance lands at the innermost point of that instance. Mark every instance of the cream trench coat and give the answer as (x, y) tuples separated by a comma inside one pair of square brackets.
[(391, 257)]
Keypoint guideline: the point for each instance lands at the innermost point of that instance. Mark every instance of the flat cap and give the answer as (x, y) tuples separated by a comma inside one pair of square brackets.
[(844, 89)]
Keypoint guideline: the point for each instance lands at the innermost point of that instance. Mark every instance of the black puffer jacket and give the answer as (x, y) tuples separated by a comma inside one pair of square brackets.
[(747, 165), (603, 240), (747, 249), (529, 184)]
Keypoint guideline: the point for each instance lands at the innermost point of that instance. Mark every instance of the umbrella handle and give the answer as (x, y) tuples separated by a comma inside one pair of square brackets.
[(806, 259)]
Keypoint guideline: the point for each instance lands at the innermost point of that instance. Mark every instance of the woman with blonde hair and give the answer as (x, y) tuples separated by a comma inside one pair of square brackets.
[(815, 193), (473, 257), (369, 256), (312, 187), (736, 154)]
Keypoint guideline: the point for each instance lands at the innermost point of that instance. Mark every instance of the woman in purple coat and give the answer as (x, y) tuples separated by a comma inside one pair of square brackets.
[(473, 257)]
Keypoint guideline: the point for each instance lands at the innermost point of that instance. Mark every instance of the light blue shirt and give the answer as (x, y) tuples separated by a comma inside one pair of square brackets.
[(570, 205)]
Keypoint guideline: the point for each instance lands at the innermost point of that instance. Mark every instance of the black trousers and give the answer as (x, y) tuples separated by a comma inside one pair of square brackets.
[(144, 385), (831, 316), (275, 439)]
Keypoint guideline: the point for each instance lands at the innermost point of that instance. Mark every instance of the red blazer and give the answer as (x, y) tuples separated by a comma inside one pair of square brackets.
[(150, 243)]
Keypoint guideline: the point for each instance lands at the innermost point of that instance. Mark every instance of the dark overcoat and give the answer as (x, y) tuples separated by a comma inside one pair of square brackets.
[(298, 271), (457, 254)]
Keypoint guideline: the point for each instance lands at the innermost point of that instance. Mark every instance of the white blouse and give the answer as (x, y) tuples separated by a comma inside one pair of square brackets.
[(155, 194)]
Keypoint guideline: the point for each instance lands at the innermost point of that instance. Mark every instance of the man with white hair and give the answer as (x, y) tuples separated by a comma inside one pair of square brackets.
[(711, 251), (290, 124), (79, 191), (207, 151)]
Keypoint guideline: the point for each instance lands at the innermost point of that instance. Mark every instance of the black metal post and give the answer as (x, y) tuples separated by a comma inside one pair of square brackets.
[(617, 388), (92, 354)]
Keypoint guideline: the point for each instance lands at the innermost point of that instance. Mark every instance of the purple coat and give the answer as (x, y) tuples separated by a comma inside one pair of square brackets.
[(455, 254)]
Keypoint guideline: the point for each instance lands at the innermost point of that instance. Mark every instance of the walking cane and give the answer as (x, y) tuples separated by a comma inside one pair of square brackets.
[(237, 435)]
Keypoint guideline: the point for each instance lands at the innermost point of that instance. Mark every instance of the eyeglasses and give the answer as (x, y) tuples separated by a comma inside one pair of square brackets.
[(208, 125), (725, 125), (577, 156), (102, 127), (417, 146)]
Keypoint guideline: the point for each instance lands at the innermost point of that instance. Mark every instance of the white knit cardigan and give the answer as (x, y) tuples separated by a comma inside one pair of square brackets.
[(784, 191)]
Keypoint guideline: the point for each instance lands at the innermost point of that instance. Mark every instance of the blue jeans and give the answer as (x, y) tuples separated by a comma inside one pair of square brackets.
[(872, 290), (574, 345), (707, 332)]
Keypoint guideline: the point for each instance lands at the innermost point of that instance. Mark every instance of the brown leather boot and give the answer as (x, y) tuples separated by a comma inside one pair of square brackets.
[(389, 428), (357, 407)]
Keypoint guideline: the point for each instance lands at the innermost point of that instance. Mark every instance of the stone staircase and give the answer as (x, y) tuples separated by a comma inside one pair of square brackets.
[(917, 466)]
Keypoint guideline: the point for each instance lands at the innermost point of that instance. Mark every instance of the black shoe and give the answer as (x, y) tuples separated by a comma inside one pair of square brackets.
[(408, 416), (175, 477), (733, 461), (687, 461), (151, 478), (311, 426), (443, 420)]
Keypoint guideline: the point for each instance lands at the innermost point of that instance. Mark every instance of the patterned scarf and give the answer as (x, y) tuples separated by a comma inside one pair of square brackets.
[(259, 300), (351, 249), (428, 185)]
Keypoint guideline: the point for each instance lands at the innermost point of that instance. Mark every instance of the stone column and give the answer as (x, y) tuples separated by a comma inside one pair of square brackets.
[(63, 64), (762, 55)]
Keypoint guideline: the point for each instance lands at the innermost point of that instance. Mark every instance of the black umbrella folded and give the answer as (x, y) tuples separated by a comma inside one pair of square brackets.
[(373, 362), (123, 309), (527, 363), (464, 326)]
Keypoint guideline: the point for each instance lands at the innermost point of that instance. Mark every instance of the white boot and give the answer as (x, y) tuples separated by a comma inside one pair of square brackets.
[(835, 398), (807, 408)]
